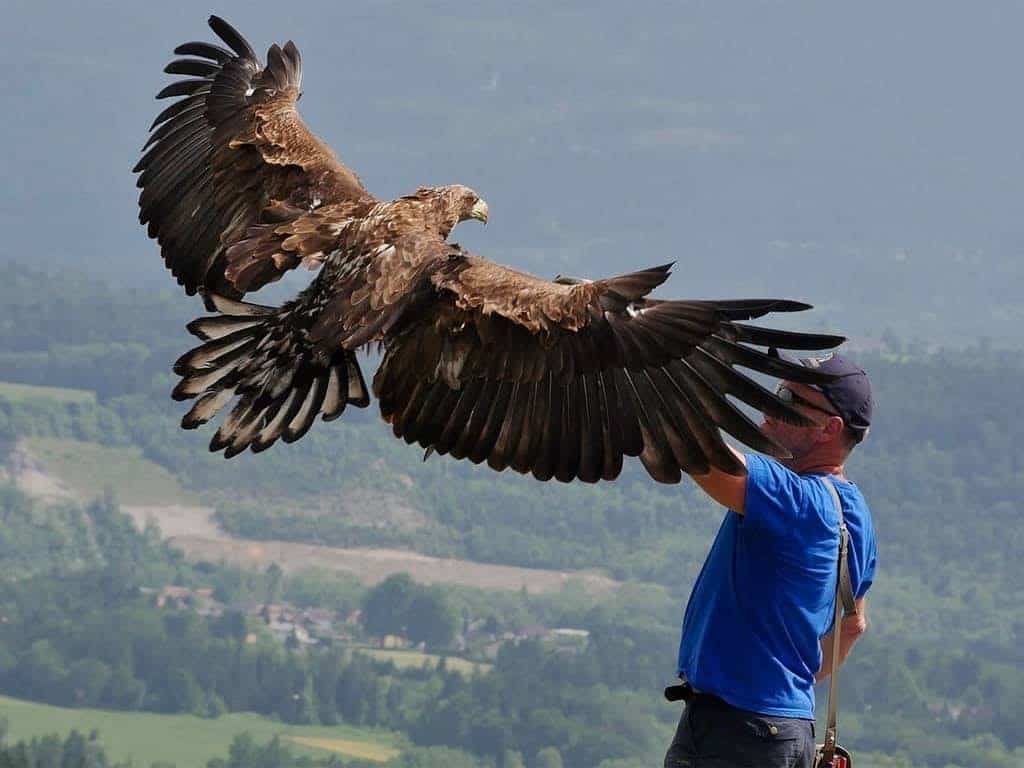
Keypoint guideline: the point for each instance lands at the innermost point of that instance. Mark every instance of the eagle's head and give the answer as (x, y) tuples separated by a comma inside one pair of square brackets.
[(449, 205), (467, 202)]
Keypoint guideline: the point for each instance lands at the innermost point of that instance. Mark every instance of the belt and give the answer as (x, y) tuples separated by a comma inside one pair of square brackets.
[(686, 692)]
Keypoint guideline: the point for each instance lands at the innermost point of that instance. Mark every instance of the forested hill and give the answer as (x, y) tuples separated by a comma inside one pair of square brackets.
[(942, 450), (941, 664)]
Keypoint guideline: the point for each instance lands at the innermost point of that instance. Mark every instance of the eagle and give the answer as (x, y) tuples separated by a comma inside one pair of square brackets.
[(556, 378)]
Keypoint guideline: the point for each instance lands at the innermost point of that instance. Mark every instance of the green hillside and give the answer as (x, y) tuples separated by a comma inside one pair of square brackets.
[(186, 740), (90, 470), (21, 393)]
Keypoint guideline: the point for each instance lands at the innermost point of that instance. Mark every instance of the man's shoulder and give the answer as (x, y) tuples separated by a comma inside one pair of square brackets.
[(775, 479), (854, 502), (778, 498), (810, 487)]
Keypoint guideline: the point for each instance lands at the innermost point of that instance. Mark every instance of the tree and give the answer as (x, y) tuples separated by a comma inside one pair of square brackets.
[(386, 606), (74, 751), (357, 691), (88, 679), (300, 707), (124, 691), (327, 671), (275, 577), (434, 757), (231, 624), (215, 706), (42, 671), (243, 752), (432, 619), (47, 751), (183, 693), (549, 757)]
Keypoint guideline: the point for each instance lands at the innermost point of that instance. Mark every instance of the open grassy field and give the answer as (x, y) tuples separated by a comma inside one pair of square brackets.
[(19, 393), (403, 659), (88, 469), (186, 741)]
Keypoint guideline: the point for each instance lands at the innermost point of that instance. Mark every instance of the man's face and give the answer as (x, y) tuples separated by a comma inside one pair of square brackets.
[(800, 441)]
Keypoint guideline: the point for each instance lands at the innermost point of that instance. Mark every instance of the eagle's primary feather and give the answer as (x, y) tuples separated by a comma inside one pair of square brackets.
[(554, 378)]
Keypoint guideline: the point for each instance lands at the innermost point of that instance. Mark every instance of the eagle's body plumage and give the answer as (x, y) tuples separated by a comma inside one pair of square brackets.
[(555, 378)]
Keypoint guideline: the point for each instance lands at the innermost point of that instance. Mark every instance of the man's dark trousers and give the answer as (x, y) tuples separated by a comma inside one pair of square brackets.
[(713, 734)]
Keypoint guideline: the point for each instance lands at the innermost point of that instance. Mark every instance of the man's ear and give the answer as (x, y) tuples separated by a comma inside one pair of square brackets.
[(834, 427)]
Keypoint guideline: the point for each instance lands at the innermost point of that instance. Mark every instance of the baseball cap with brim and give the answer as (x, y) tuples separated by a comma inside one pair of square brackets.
[(849, 391)]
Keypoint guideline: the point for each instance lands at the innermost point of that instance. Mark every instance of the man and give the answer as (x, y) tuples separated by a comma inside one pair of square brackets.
[(757, 628)]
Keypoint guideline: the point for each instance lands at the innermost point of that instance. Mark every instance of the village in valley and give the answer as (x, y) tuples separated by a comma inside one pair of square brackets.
[(476, 640)]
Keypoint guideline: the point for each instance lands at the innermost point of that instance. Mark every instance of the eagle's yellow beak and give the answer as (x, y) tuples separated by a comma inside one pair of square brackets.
[(479, 211)]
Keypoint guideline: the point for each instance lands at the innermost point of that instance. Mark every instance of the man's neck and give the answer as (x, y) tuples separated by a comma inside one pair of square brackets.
[(816, 466)]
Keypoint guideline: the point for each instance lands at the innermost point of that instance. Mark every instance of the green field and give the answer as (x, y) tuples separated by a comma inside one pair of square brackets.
[(186, 741), (403, 659), (20, 393), (89, 469)]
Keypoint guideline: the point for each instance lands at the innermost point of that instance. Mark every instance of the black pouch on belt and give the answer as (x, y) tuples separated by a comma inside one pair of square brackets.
[(681, 692)]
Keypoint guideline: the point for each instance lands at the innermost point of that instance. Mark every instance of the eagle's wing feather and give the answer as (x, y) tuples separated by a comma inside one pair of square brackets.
[(275, 369), (564, 380), (235, 187), (372, 294)]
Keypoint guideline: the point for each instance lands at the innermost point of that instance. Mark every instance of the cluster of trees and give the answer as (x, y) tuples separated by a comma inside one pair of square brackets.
[(77, 750), (246, 752), (400, 606), (51, 751)]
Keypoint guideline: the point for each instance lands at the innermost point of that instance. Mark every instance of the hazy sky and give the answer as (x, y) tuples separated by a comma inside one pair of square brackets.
[(859, 155)]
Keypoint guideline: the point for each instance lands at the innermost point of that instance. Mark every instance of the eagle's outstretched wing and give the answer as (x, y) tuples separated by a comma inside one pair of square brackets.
[(487, 363), (235, 187), (564, 380)]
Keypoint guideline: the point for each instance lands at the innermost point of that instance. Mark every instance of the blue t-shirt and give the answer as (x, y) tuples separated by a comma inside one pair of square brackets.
[(765, 596)]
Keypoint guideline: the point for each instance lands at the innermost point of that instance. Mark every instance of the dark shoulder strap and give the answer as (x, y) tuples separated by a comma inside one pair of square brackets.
[(845, 605), (845, 585)]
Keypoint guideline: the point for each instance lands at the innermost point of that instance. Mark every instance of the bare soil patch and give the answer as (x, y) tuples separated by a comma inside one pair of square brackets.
[(193, 529), (31, 478), (374, 565)]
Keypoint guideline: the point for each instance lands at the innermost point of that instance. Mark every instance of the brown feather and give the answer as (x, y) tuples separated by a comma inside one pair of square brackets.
[(611, 430), (215, 126), (591, 442)]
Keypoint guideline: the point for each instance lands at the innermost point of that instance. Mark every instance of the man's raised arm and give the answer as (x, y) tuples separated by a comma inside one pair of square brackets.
[(728, 490)]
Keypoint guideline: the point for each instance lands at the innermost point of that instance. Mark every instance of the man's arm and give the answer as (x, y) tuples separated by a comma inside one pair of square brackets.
[(850, 628), (728, 490)]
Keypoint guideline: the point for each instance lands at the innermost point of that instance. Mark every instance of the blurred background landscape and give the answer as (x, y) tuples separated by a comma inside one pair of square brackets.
[(340, 601)]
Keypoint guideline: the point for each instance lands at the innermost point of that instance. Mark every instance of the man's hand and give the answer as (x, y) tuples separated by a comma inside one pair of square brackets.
[(850, 628), (728, 490)]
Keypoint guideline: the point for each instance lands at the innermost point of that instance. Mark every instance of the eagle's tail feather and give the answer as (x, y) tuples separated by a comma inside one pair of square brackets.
[(261, 358)]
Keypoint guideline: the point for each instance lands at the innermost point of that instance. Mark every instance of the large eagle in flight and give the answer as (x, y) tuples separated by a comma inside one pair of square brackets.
[(555, 378)]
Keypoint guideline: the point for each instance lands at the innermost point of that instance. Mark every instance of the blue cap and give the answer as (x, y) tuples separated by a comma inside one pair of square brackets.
[(849, 391)]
